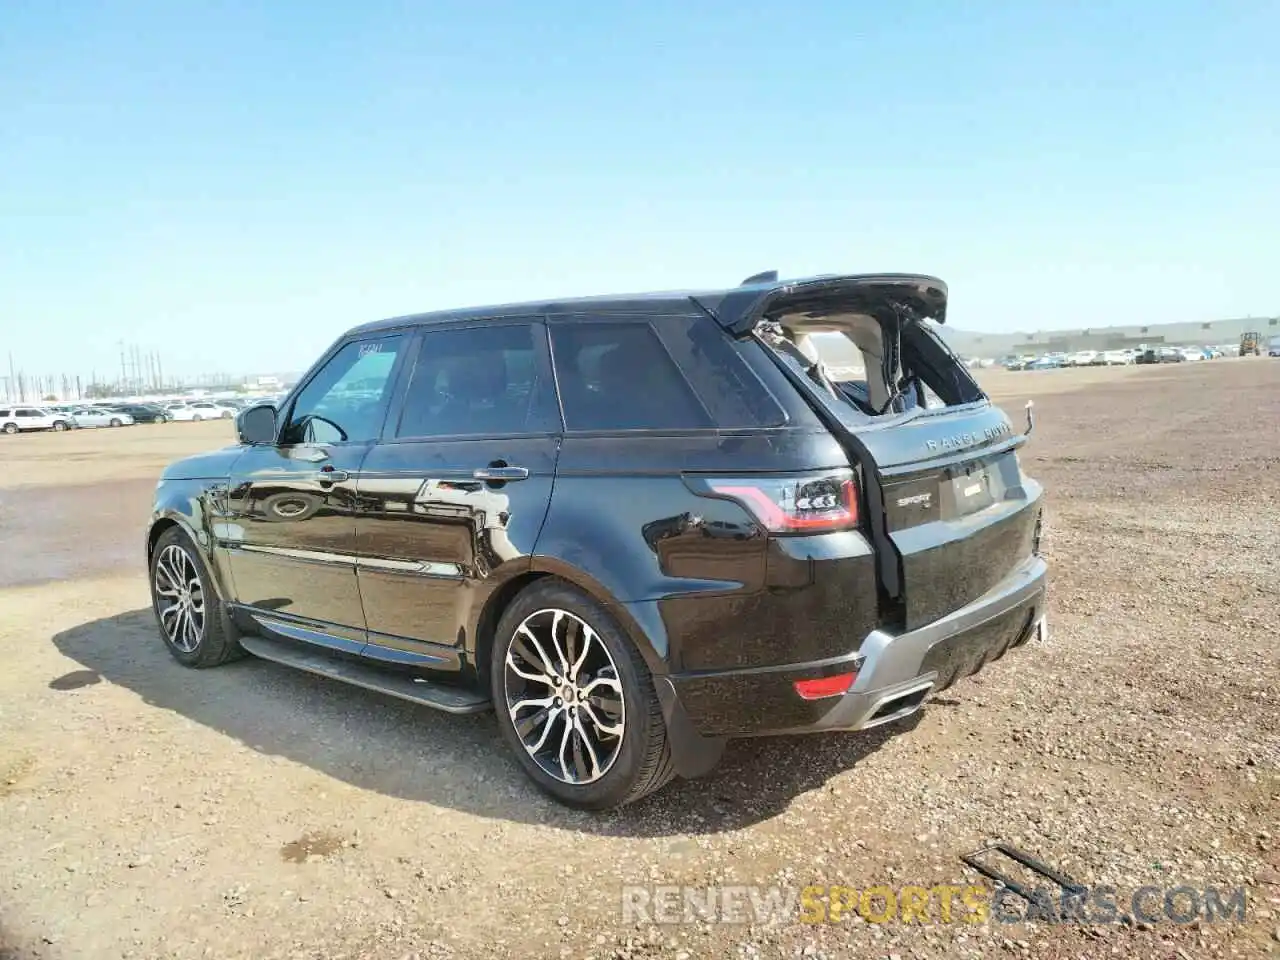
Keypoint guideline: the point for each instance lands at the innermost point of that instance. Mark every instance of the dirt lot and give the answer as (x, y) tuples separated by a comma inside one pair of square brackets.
[(250, 811)]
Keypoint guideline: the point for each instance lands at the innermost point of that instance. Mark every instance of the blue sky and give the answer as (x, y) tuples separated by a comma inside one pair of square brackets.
[(235, 183)]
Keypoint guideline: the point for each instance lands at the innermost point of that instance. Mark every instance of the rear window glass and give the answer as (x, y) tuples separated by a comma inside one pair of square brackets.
[(618, 376)]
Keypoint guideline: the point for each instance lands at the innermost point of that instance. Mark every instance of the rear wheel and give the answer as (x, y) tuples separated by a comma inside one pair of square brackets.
[(187, 607), (575, 700), (10, 428)]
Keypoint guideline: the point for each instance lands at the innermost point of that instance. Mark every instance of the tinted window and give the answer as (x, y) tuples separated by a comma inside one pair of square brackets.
[(479, 381), (618, 376), (727, 387), (346, 399)]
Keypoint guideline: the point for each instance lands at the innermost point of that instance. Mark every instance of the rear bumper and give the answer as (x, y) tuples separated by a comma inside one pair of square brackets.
[(895, 673)]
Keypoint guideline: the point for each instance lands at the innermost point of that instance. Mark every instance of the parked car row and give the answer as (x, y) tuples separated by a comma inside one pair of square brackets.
[(1111, 358), (1177, 354), (17, 419), (57, 417)]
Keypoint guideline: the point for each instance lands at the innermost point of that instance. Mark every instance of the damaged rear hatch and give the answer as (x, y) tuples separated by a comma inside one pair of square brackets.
[(951, 514)]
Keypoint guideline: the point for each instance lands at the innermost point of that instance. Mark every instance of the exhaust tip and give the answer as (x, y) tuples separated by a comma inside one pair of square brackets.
[(898, 706)]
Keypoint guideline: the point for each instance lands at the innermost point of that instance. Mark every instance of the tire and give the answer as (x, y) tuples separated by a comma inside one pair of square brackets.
[(602, 770), (59, 425), (227, 414), (210, 640), (115, 423), (11, 428), (196, 418)]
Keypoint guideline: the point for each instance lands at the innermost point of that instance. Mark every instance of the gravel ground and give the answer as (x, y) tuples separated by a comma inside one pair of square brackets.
[(251, 811)]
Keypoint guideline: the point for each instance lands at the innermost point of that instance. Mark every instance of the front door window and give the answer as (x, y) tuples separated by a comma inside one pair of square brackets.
[(346, 400)]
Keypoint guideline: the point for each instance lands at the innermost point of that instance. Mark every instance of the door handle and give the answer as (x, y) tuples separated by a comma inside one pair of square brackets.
[(501, 473), (329, 475)]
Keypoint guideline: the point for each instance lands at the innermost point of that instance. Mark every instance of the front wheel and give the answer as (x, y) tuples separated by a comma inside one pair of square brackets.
[(10, 428), (187, 607), (197, 418), (116, 423), (59, 425), (575, 700)]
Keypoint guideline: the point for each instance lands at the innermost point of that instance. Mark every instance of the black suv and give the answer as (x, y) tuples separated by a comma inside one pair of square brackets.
[(635, 526)]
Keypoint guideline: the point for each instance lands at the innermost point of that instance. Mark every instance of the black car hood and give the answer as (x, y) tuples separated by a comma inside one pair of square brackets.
[(204, 466)]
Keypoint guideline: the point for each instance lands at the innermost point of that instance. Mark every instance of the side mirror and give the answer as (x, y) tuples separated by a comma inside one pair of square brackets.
[(257, 425)]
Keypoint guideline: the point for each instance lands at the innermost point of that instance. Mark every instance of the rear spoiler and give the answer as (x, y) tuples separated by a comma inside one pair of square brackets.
[(740, 309)]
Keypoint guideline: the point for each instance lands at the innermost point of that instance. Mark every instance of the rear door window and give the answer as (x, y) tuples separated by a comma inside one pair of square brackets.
[(618, 375), (481, 381)]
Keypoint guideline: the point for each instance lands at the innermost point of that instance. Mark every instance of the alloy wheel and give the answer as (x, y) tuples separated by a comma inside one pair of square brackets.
[(179, 598), (564, 696)]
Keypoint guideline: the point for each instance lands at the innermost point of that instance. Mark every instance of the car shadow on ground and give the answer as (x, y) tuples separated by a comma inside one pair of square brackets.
[(399, 749)]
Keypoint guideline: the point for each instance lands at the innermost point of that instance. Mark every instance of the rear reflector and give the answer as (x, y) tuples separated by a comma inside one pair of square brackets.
[(808, 503), (826, 687)]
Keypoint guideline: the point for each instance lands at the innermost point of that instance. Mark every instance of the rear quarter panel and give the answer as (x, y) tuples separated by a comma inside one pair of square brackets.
[(708, 587)]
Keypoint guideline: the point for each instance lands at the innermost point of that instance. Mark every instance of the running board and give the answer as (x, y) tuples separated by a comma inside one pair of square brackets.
[(428, 693)]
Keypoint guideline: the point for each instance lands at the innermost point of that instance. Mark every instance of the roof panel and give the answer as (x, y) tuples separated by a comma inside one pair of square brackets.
[(666, 302)]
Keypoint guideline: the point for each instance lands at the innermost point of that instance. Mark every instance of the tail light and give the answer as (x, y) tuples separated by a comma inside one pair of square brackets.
[(807, 503)]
